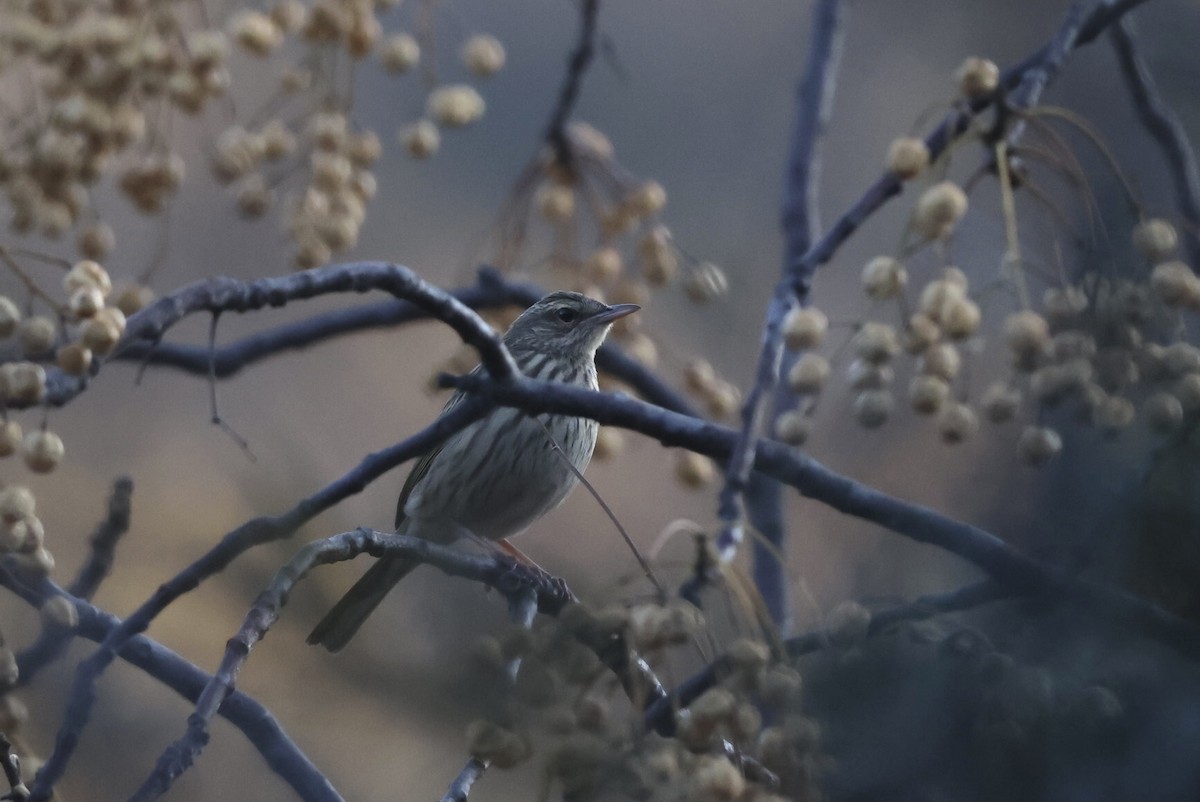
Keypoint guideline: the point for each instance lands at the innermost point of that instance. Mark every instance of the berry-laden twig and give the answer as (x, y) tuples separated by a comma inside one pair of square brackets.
[(157, 661), (1163, 124)]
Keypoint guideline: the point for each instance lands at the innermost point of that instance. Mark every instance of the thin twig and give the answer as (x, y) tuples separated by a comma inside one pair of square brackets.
[(1163, 124), (12, 771), (660, 716), (577, 64)]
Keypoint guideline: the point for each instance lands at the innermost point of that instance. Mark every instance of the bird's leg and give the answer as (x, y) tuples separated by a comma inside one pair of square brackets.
[(506, 546)]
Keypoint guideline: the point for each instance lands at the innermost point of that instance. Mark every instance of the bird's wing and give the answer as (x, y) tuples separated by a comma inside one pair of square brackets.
[(422, 467)]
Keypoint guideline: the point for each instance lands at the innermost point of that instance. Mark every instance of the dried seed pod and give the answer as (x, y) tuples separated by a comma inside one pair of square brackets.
[(16, 503), (1113, 414), (1187, 390), (920, 333), (87, 273), (848, 624), (42, 450), (59, 614), (103, 331), (793, 428), (809, 373), (609, 443), (942, 360), (256, 32), (937, 295), (1163, 412), (927, 394), (694, 470), (872, 408), (876, 342), (956, 422), (10, 316), (37, 335), (1175, 284), (1156, 239), (1026, 333), (715, 779), (699, 376), (134, 298), (907, 157), (73, 359), (96, 241), (85, 302), (22, 382), (400, 53), (10, 438), (556, 202), (421, 139), (496, 745), (483, 55), (1037, 445), (723, 400), (884, 277), (659, 262), (647, 199), (1000, 402), (705, 282), (604, 265), (804, 328), (863, 375), (455, 105), (977, 77), (938, 210), (961, 318)]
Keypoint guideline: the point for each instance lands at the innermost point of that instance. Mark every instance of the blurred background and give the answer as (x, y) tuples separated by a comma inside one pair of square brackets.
[(697, 94)]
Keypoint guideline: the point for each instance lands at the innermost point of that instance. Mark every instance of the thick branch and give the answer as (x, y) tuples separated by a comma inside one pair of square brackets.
[(1015, 571), (218, 295)]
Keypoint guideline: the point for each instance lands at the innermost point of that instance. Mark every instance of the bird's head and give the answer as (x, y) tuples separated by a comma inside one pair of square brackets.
[(566, 323)]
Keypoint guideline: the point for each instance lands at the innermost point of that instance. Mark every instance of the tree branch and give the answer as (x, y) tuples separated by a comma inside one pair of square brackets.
[(251, 718), (1164, 125), (577, 64), (1007, 566), (254, 532), (527, 590)]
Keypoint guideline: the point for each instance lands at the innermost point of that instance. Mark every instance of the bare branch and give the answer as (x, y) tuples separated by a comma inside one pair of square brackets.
[(251, 718), (581, 57), (814, 99), (1164, 125), (12, 771), (250, 534), (528, 591), (232, 295), (1009, 567)]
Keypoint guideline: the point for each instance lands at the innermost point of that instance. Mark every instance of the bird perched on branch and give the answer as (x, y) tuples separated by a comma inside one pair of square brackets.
[(500, 474)]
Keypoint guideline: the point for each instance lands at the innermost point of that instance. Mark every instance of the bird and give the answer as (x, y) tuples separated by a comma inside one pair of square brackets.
[(494, 478)]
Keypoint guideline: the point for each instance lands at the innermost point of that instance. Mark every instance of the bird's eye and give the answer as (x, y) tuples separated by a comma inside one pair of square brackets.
[(566, 314)]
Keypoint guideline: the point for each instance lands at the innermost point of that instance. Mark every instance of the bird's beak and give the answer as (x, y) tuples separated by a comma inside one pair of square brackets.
[(616, 312)]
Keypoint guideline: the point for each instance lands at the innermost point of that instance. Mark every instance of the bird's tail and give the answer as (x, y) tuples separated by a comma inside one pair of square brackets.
[(339, 625)]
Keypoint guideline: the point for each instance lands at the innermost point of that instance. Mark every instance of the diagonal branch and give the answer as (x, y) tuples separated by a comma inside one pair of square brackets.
[(1015, 571), (254, 532), (251, 718), (1164, 125)]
